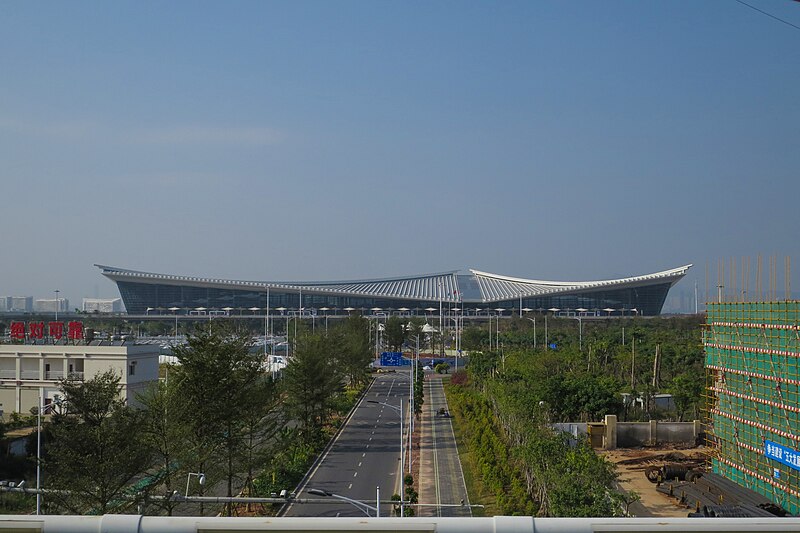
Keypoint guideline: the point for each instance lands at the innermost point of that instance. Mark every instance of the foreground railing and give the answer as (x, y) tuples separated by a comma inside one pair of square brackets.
[(497, 524)]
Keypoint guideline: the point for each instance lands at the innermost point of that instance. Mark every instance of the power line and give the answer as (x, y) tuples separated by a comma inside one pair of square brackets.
[(769, 15)]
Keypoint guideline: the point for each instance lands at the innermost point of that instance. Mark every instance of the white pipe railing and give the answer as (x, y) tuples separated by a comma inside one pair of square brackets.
[(497, 524)]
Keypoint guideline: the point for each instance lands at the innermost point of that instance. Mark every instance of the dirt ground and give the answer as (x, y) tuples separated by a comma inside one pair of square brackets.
[(631, 464)]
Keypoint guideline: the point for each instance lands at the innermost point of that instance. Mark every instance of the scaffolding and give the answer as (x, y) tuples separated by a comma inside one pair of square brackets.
[(753, 385)]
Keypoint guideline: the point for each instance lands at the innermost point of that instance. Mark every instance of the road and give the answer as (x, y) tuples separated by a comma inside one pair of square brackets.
[(441, 477), (365, 455)]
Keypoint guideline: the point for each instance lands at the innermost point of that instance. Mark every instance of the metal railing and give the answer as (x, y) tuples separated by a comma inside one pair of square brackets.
[(497, 524)]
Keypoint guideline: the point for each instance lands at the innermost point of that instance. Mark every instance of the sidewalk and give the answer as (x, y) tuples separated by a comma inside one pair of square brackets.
[(441, 480)]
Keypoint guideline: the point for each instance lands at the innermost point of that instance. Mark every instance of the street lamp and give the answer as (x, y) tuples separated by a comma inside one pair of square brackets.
[(363, 507), (325, 309), (398, 410), (527, 310), (57, 291), (546, 339), (497, 337), (201, 478), (39, 453), (175, 312), (580, 311)]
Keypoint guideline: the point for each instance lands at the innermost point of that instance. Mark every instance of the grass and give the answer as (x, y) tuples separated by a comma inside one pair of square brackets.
[(476, 491)]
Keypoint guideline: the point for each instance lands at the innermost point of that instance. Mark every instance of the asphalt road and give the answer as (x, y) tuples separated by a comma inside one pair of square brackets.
[(365, 455), (442, 478)]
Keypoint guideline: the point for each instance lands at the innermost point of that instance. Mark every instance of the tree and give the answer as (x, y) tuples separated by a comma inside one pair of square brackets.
[(416, 331), (215, 379), (166, 434), (312, 380), (395, 333), (96, 449), (442, 368), (355, 352), (262, 426), (686, 390)]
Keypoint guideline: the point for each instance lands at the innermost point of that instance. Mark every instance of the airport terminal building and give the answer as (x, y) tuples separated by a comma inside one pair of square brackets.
[(469, 292)]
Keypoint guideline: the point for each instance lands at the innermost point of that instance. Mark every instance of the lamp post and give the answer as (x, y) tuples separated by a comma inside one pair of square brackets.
[(398, 410), (363, 507), (201, 479), (497, 336), (39, 454), (527, 310), (325, 309), (441, 327), (266, 323), (57, 291), (546, 338), (580, 311), (175, 312)]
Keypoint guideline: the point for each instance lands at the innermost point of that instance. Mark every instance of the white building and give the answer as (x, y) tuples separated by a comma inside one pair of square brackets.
[(49, 306), (17, 304), (100, 305), (25, 369)]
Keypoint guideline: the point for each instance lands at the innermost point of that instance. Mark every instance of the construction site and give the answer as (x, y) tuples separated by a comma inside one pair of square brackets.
[(753, 379), (749, 462)]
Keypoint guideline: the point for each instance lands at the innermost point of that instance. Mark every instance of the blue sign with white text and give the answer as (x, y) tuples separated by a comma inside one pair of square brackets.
[(782, 454), (393, 359)]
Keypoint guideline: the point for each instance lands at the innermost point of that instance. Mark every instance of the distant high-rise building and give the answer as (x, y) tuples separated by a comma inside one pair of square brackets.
[(50, 305), (100, 305), (16, 304)]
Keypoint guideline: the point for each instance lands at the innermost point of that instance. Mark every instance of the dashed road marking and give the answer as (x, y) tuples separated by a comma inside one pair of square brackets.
[(355, 474)]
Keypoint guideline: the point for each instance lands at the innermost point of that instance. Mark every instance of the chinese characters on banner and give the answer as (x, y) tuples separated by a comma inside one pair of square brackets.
[(782, 454), (55, 330)]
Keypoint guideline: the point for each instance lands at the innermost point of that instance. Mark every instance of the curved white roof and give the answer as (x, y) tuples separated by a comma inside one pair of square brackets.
[(428, 287), (495, 287)]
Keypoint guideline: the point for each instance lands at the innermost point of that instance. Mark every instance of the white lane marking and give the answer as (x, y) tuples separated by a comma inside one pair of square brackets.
[(355, 474), (338, 515), (373, 432), (364, 454), (338, 435), (350, 486), (369, 439), (359, 463), (435, 451)]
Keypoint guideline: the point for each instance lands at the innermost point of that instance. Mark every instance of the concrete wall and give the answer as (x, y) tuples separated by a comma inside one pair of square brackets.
[(635, 434), (652, 433)]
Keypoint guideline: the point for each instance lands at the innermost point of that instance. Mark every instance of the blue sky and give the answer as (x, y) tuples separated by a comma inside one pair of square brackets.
[(331, 140)]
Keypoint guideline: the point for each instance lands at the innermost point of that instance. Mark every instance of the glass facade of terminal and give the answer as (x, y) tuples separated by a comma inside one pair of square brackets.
[(138, 297)]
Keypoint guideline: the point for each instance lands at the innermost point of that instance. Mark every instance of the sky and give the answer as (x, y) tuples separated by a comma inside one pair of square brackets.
[(319, 140)]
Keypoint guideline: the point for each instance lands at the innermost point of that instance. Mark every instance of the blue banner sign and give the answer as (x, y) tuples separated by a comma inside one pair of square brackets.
[(393, 359), (782, 454)]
